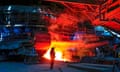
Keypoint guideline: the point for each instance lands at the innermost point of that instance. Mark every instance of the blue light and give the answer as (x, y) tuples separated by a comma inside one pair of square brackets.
[(102, 31), (16, 30), (1, 37), (6, 30), (9, 7), (99, 28)]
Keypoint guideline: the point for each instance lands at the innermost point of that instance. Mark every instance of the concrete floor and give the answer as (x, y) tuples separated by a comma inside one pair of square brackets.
[(43, 67), (21, 67)]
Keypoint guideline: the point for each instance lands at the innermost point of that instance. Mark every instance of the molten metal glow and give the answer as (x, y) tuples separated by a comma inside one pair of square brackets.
[(58, 55), (66, 49), (60, 48)]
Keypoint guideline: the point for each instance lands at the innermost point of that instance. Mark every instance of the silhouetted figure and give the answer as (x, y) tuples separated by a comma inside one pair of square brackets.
[(52, 56)]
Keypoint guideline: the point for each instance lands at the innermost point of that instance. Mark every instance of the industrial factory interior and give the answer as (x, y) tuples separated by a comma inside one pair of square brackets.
[(60, 36)]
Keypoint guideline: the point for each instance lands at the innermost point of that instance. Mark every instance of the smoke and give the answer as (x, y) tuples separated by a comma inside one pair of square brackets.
[(66, 24), (63, 26)]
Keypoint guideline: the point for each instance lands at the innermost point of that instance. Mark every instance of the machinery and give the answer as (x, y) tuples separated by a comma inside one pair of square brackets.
[(18, 26)]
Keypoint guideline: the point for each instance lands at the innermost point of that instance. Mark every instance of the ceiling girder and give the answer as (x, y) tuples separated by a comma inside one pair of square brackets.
[(95, 2)]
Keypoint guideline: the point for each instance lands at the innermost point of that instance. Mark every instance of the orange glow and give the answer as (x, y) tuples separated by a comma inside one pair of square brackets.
[(66, 49), (58, 55), (63, 28), (60, 48)]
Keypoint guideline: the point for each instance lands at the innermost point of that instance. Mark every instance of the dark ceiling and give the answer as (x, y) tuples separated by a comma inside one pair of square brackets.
[(19, 2), (37, 2)]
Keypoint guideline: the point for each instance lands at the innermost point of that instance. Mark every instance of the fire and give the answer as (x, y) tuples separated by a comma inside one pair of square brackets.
[(58, 55), (65, 50), (60, 47)]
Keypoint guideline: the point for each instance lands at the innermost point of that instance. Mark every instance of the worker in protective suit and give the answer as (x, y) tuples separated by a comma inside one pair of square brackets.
[(52, 56)]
